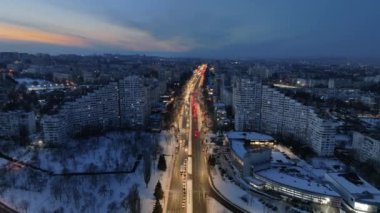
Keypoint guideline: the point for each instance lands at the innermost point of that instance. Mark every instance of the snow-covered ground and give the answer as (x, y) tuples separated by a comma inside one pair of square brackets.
[(28, 190), (113, 152)]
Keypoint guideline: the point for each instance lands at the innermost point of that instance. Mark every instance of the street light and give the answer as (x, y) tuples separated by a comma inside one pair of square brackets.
[(40, 143)]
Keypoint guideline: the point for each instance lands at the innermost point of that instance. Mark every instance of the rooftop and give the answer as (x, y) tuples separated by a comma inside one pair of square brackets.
[(357, 186), (238, 148), (298, 178), (250, 136)]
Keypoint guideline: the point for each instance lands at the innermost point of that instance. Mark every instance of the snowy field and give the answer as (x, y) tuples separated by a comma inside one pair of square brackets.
[(29, 190)]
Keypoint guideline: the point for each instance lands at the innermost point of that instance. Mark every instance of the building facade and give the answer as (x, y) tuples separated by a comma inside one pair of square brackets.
[(116, 105), (134, 101), (366, 147), (259, 107), (357, 194), (7, 84), (13, 123), (247, 104)]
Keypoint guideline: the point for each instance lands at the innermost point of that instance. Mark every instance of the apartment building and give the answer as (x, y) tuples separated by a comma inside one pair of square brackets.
[(7, 84), (321, 134), (98, 109), (247, 104), (262, 108), (366, 147), (134, 104), (12, 123), (226, 95), (55, 128), (118, 104)]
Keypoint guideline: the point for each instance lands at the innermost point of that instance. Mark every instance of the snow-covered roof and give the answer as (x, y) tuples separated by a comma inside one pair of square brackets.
[(249, 136), (255, 181), (356, 186), (238, 148), (342, 137), (298, 179), (278, 157), (328, 164)]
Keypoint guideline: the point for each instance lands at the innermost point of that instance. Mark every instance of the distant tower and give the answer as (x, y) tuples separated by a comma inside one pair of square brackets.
[(331, 83), (133, 101)]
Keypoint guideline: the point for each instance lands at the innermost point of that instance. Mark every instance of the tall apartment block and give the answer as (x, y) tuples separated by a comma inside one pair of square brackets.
[(262, 108), (247, 103), (13, 122), (366, 147), (118, 104), (134, 104)]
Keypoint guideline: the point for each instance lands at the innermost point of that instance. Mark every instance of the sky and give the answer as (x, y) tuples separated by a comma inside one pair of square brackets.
[(197, 28)]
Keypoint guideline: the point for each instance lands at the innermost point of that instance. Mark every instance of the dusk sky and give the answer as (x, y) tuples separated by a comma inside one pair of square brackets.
[(211, 28)]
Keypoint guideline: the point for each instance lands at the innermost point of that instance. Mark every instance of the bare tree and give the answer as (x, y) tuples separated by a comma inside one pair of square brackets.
[(147, 168), (112, 207), (56, 189), (132, 201), (103, 190), (24, 205)]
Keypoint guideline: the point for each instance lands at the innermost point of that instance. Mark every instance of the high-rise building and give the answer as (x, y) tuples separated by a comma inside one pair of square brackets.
[(7, 84), (246, 104), (54, 128), (99, 109), (321, 133), (262, 108), (12, 123), (134, 105), (366, 147), (125, 103)]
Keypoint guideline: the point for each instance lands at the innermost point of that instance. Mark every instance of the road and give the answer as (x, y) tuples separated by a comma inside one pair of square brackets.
[(201, 189), (177, 198)]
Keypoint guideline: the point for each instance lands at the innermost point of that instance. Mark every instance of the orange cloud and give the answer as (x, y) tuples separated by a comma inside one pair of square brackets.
[(21, 33)]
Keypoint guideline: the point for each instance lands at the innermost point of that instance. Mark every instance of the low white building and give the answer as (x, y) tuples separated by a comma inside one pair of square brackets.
[(247, 152), (265, 168), (358, 195), (295, 181), (322, 135)]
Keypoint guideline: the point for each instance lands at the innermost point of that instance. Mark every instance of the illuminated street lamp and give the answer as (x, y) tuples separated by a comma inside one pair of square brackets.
[(40, 143)]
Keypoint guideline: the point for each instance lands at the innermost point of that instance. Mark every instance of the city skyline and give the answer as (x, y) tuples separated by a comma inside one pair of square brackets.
[(189, 106), (198, 29)]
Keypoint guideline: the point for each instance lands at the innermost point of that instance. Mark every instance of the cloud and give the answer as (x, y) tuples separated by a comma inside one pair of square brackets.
[(214, 27), (65, 26), (130, 38), (11, 32)]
